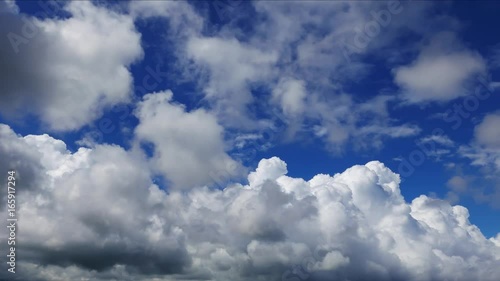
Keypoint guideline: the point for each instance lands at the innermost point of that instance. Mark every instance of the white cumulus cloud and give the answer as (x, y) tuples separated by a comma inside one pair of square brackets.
[(66, 71), (189, 147), (97, 214)]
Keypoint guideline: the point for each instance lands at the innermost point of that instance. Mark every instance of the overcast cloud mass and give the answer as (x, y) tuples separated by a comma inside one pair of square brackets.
[(149, 141)]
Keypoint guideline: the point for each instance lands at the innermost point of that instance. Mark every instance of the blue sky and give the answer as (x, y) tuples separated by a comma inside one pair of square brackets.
[(191, 88)]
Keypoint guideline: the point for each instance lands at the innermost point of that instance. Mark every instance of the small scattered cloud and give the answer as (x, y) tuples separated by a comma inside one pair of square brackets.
[(442, 72), (487, 133), (485, 148), (439, 139), (457, 184)]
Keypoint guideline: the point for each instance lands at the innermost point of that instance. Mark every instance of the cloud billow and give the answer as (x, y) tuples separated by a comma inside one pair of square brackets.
[(97, 213), (66, 72)]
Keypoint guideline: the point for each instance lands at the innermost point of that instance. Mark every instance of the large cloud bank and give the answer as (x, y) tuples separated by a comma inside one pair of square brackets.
[(97, 214)]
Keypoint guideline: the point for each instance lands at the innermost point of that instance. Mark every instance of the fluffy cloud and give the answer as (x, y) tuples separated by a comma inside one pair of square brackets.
[(290, 95), (94, 209), (188, 146), (442, 71), (294, 58), (66, 71), (355, 225), (232, 68)]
